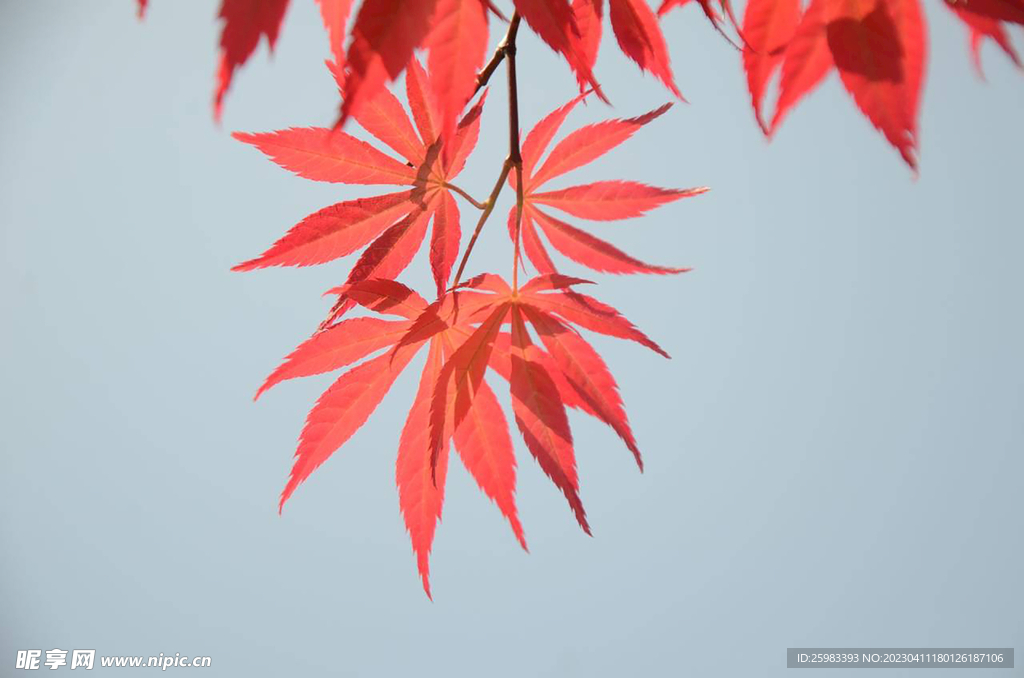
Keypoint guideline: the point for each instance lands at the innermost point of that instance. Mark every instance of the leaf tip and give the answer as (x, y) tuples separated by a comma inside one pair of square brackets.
[(244, 137), (245, 266), (340, 289), (269, 383)]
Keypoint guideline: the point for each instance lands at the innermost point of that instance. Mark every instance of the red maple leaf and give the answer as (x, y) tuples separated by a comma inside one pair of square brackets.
[(454, 404), (597, 201), (877, 47), (987, 19), (636, 30), (335, 17), (393, 225), (710, 12), (245, 23), (768, 26)]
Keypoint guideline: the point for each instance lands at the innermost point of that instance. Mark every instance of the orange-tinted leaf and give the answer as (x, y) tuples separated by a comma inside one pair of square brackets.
[(431, 322), (341, 411), (457, 151), (419, 497), (457, 44), (586, 373), (501, 362), (593, 315), (388, 255), (488, 282), (245, 22), (335, 16), (384, 296), (589, 143), (421, 100), (879, 49), (444, 242), (383, 117), (540, 416), (639, 36), (535, 250), (611, 200), (336, 347), (768, 26), (484, 445), (532, 246), (551, 282), (543, 132), (323, 155), (461, 377), (383, 39), (333, 232), (591, 251)]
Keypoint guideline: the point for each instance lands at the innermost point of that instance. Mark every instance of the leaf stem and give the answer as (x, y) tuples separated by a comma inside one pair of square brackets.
[(475, 203), (499, 53), (514, 155), (488, 206), (506, 50)]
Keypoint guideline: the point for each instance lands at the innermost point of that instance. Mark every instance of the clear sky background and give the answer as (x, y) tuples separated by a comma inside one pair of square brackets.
[(833, 454)]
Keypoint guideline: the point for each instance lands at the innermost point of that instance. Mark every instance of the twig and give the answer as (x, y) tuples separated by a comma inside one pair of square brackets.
[(475, 203), (499, 54), (514, 155), (488, 208), (507, 48)]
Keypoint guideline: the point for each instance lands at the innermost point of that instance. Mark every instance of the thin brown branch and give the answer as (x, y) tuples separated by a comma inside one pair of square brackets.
[(506, 50), (472, 201), (514, 155), (513, 93), (499, 53), (488, 208)]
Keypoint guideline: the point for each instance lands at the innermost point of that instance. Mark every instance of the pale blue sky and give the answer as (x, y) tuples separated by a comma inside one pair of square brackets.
[(833, 455)]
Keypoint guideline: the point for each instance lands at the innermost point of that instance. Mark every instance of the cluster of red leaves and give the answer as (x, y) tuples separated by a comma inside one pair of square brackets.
[(463, 330), (878, 47)]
